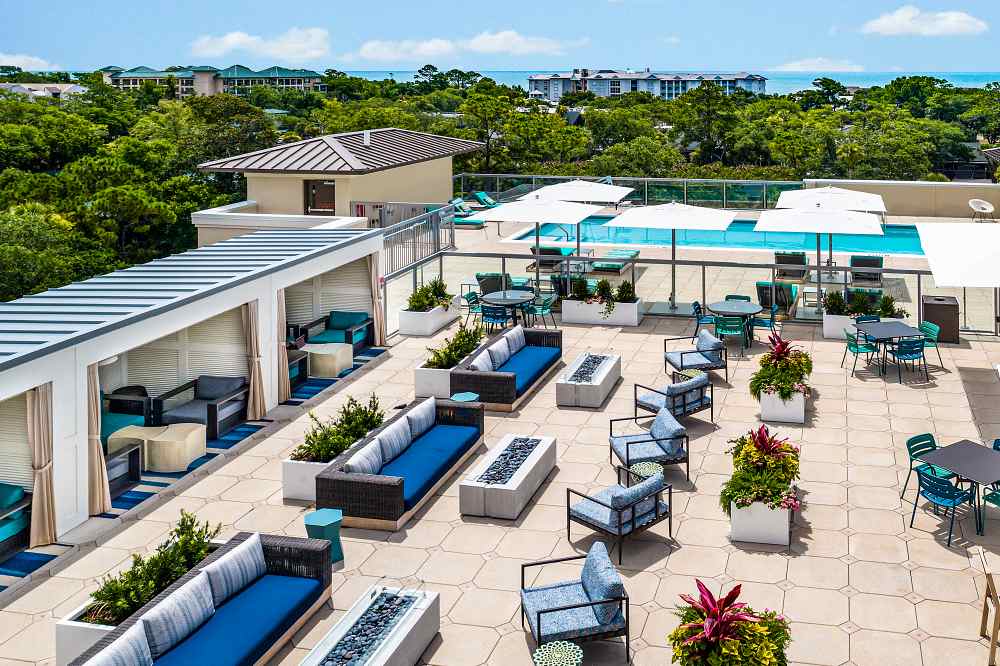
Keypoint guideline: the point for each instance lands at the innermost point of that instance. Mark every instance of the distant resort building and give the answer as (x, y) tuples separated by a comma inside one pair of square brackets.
[(49, 90), (207, 80), (613, 83)]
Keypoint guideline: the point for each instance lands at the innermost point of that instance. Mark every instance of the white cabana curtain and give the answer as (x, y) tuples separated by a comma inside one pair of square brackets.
[(255, 399), (284, 385), (98, 493), (378, 315), (43, 507)]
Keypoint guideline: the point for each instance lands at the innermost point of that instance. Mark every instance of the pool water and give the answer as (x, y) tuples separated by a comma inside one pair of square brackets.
[(898, 239)]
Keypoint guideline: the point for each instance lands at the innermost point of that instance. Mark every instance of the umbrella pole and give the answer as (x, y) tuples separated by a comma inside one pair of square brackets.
[(538, 255), (673, 269), (829, 250), (819, 276), (578, 239)]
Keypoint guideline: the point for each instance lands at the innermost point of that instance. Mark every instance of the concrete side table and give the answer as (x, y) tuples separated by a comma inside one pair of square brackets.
[(325, 524), (558, 653), (176, 447), (329, 359)]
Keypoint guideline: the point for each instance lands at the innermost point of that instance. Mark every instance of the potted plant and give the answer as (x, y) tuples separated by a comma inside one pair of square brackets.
[(724, 632), (779, 384), (429, 309), (887, 309), (759, 497), (433, 378), (324, 442), (123, 594), (836, 316), (607, 305)]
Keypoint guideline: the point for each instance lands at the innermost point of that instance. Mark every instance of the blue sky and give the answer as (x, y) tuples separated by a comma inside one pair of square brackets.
[(848, 35)]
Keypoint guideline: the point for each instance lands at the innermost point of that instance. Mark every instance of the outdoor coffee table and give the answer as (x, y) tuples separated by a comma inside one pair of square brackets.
[(503, 483), (971, 461), (330, 359), (588, 380)]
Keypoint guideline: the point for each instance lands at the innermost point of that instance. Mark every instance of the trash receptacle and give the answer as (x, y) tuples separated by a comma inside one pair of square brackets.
[(943, 311)]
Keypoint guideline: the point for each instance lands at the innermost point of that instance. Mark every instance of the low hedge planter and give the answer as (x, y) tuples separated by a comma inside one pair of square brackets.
[(773, 408), (582, 312), (74, 637), (759, 523), (432, 382), (430, 322), (298, 479)]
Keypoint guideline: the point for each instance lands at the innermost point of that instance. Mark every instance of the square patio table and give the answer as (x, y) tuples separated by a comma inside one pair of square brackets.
[(886, 331), (970, 460)]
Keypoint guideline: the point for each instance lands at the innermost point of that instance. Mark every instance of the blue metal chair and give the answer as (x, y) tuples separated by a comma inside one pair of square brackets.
[(495, 315), (769, 323), (909, 350), (540, 308), (473, 306), (940, 493), (863, 319), (731, 327), (917, 446), (931, 333), (700, 318)]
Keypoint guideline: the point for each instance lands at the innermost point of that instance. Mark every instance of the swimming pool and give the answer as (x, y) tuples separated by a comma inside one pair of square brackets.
[(898, 239)]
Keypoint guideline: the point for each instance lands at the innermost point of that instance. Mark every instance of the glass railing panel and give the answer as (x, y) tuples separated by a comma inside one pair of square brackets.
[(665, 191), (774, 190), (745, 195), (705, 193)]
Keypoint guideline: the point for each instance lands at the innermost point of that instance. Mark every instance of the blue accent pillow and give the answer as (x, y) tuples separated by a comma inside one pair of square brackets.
[(499, 352), (622, 498), (129, 649), (236, 569), (515, 339), (707, 342), (601, 581), (666, 426), (366, 460), (341, 320), (211, 387), (178, 615), (394, 439), (422, 417), (688, 385)]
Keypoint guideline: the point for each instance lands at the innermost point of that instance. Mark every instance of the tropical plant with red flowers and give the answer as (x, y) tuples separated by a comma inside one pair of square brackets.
[(721, 631), (764, 468), (783, 370)]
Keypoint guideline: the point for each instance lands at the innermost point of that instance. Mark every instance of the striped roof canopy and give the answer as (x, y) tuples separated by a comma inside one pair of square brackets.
[(348, 153)]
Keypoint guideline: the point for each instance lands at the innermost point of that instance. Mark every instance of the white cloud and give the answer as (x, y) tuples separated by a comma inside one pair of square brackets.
[(27, 62), (504, 42), (672, 40), (819, 65), (910, 20), (295, 44)]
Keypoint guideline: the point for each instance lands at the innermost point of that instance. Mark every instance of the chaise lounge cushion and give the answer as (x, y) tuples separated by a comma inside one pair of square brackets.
[(196, 411), (129, 649), (248, 624), (529, 364), (601, 581), (427, 459), (211, 387), (112, 422), (178, 615), (232, 572), (564, 624)]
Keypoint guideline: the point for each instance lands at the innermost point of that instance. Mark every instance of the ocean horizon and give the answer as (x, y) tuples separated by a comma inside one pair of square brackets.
[(777, 82)]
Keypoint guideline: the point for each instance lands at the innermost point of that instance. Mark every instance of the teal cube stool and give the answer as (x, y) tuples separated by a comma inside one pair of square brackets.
[(325, 524)]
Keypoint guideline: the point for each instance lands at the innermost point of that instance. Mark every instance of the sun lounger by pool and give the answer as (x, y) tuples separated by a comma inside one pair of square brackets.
[(617, 267), (461, 214), (485, 200), (872, 278), (791, 258)]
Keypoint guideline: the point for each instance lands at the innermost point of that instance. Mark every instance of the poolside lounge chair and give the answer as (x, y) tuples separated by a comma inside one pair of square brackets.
[(793, 258), (546, 251), (866, 277), (616, 267), (785, 295), (462, 212), (485, 200)]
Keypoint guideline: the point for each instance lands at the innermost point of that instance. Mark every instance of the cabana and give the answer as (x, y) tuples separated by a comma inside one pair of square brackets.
[(674, 216)]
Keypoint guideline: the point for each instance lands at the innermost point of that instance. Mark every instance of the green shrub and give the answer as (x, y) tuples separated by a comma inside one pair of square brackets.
[(121, 595), (625, 293), (783, 370), (604, 295), (429, 296), (860, 304), (578, 289), (764, 468), (888, 310), (454, 350), (834, 303), (326, 441)]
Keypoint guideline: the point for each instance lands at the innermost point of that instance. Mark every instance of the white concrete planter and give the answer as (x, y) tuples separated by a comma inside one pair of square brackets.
[(834, 325), (582, 312), (758, 523), (773, 408), (298, 479), (430, 322), (432, 382), (73, 638)]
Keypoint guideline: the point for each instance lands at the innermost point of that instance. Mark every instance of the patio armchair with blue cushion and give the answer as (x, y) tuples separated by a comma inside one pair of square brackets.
[(709, 353), (941, 493), (621, 511), (665, 443), (682, 398), (219, 403), (345, 327), (384, 478), (593, 607), (15, 509), (485, 200)]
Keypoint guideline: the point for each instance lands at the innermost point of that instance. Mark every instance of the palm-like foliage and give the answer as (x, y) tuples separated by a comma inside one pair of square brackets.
[(720, 618), (771, 445)]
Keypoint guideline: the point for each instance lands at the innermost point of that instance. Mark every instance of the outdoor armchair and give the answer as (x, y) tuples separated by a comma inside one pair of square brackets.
[(220, 403), (15, 510), (345, 327), (858, 345), (917, 446), (665, 443), (682, 398), (940, 493), (709, 354)]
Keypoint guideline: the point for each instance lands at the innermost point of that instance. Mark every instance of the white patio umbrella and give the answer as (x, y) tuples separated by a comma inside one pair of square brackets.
[(963, 254), (580, 190), (832, 198), (674, 216)]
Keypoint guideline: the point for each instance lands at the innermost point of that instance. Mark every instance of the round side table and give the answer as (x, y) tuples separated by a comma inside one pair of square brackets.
[(467, 396), (558, 653), (646, 469)]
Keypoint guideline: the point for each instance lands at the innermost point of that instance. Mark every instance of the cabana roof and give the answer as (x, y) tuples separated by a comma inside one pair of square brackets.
[(40, 324)]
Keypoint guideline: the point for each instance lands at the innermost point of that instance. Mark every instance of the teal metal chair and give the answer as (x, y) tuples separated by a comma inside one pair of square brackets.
[(931, 333), (770, 323), (917, 446), (473, 306), (909, 350), (940, 493), (541, 308), (867, 319), (729, 327), (700, 318), (495, 316), (857, 345), (738, 297)]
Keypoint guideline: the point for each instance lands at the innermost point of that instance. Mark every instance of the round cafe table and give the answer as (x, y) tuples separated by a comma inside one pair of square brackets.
[(511, 298), (743, 309)]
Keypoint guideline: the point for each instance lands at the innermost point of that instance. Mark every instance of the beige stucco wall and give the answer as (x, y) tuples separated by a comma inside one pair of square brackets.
[(426, 182), (921, 198)]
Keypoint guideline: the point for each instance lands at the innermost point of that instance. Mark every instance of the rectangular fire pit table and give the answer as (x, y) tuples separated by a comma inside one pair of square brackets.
[(588, 380), (503, 483)]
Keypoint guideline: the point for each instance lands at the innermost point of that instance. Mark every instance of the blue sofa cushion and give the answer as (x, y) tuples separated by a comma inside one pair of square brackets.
[(345, 319), (112, 422), (696, 360), (129, 649), (196, 411), (529, 364), (210, 387), (179, 615), (601, 581), (564, 624), (428, 458), (329, 335), (10, 494), (13, 525), (236, 569), (246, 626)]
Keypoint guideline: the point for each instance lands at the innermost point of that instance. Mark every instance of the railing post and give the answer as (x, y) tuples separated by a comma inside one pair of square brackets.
[(645, 191), (763, 204), (920, 300), (725, 194), (704, 297), (503, 274), (685, 191)]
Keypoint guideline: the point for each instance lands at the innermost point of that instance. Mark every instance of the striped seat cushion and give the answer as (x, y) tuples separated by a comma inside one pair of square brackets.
[(178, 615), (236, 569)]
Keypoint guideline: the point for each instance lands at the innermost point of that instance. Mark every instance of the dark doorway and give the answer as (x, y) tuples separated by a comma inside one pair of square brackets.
[(321, 197)]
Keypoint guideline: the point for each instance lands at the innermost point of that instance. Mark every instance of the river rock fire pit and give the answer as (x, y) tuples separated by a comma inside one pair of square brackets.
[(504, 482), (588, 380)]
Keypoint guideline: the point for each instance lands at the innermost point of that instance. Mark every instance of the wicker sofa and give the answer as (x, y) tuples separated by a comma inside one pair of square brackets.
[(503, 387), (250, 624), (379, 484)]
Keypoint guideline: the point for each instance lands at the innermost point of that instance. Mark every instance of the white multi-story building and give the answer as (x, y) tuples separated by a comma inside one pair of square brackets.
[(613, 83), (206, 80)]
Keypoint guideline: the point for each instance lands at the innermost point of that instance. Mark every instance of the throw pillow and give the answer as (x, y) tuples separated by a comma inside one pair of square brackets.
[(422, 417), (236, 569), (683, 387), (665, 428), (129, 649), (394, 439), (515, 339), (367, 459), (178, 615), (499, 352), (627, 496), (601, 581), (482, 363), (707, 342)]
